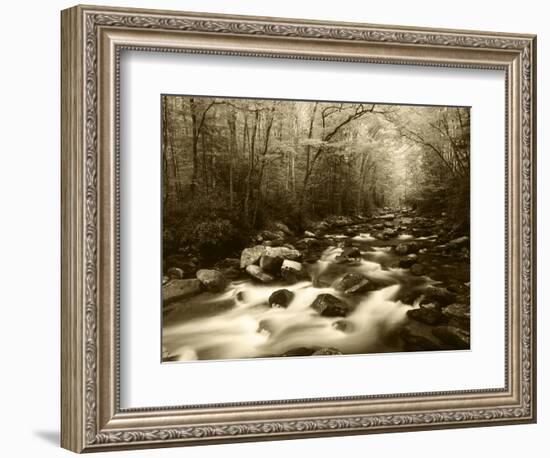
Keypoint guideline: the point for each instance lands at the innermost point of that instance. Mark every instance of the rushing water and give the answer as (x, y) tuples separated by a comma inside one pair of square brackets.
[(239, 323)]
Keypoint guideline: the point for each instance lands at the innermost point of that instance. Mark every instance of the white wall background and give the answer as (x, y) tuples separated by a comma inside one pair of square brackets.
[(29, 231)]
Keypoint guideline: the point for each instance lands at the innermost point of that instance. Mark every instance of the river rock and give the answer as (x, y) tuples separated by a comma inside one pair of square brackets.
[(408, 261), (309, 234), (274, 243), (165, 279), (418, 269), (328, 305), (402, 249), (428, 313), (177, 290), (183, 262), (352, 283), (308, 242), (459, 242), (458, 315), (418, 336), (344, 326), (281, 298), (258, 274), (283, 252), (388, 233), (252, 255), (272, 235), (351, 252), (293, 271), (212, 280), (455, 337), (326, 352), (300, 351), (231, 272), (280, 226), (438, 295), (175, 272), (271, 264)]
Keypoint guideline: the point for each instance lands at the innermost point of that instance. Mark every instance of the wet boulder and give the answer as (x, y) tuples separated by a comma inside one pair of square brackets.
[(300, 351), (348, 254), (274, 243), (418, 336), (283, 252), (438, 295), (258, 274), (309, 234), (408, 261), (329, 305), (271, 264), (428, 314), (351, 252), (293, 271), (282, 227), (344, 326), (458, 315), (460, 242), (352, 283), (272, 235), (418, 269), (281, 298), (212, 280), (326, 352), (229, 267), (308, 242), (175, 272), (455, 337), (182, 262), (176, 290), (251, 255), (388, 233), (402, 249)]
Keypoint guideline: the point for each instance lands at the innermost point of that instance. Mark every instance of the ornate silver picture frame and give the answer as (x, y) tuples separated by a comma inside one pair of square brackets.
[(93, 39)]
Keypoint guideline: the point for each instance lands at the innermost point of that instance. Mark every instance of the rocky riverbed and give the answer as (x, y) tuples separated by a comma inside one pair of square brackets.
[(397, 281)]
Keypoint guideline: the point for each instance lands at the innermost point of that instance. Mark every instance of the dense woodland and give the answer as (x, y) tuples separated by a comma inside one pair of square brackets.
[(232, 167)]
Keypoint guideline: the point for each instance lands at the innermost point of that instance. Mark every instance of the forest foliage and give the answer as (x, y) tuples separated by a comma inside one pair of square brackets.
[(234, 166)]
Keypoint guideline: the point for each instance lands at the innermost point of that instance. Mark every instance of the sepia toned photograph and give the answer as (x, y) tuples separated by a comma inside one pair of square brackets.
[(313, 228)]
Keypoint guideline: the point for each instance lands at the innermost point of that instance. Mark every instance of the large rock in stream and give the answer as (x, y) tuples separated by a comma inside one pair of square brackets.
[(258, 274), (176, 290), (212, 280), (428, 314), (418, 336), (281, 298), (349, 254), (271, 264), (455, 337), (293, 271), (329, 305), (438, 295), (353, 283), (458, 315), (250, 256)]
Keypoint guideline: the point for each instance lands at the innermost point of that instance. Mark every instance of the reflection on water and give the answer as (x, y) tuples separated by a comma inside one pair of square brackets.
[(239, 323)]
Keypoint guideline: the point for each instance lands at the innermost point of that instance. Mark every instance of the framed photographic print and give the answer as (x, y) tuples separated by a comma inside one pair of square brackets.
[(278, 228)]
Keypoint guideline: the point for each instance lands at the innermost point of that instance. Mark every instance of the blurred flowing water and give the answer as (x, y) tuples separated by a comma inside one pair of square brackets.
[(239, 323)]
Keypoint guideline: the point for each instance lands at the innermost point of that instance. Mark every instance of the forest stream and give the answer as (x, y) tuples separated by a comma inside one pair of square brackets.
[(395, 282)]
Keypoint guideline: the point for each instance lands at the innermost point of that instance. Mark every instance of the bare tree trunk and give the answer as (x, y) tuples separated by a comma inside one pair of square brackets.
[(248, 190)]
